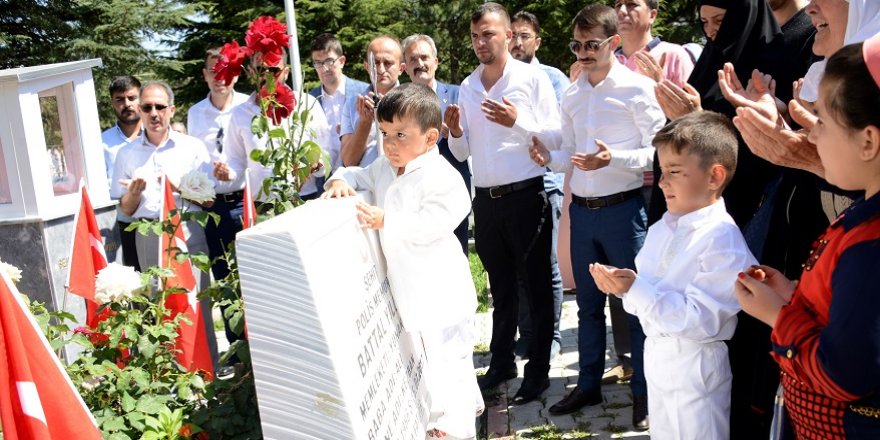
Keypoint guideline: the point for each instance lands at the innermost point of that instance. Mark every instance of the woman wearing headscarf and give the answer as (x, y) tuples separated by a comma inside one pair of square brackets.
[(745, 33)]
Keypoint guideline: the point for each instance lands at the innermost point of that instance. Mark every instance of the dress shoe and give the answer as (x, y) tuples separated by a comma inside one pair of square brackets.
[(495, 377), (640, 413), (617, 374), (530, 390), (576, 400)]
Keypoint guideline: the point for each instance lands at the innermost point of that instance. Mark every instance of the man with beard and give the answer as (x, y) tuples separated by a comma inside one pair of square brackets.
[(328, 61), (501, 106), (124, 91), (420, 58), (523, 45), (357, 133)]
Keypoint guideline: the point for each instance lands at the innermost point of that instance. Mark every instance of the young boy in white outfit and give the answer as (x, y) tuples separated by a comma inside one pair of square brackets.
[(419, 202), (683, 294)]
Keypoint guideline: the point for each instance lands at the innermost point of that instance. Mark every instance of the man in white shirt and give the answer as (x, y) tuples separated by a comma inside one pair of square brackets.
[(420, 57), (609, 117), (501, 105), (137, 177), (328, 60), (241, 141), (358, 133), (523, 46), (124, 97), (208, 120)]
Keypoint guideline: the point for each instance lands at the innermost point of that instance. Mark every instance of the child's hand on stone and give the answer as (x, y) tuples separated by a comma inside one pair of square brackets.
[(371, 217), (611, 280), (338, 188)]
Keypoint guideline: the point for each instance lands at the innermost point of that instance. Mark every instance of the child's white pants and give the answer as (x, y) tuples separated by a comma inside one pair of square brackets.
[(451, 380), (688, 389)]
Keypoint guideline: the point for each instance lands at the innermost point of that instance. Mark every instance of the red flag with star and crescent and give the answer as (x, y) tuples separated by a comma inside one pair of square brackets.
[(194, 353), (86, 259), (37, 399)]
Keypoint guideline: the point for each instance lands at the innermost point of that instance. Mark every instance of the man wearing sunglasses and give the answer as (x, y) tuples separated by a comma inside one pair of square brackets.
[(357, 133), (328, 61), (609, 118)]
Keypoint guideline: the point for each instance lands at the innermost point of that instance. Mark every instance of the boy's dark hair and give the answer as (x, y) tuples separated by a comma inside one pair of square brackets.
[(327, 42), (121, 84), (529, 18), (212, 54), (706, 134), (414, 101), (490, 7), (853, 95), (596, 16)]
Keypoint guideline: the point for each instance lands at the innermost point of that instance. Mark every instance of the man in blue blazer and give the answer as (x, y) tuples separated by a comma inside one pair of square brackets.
[(420, 58), (328, 61)]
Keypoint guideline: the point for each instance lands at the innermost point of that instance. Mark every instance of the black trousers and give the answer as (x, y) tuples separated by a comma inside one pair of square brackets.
[(129, 250), (513, 239)]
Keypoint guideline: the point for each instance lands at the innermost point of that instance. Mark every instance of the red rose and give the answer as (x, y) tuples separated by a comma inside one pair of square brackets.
[(280, 104), (232, 57), (185, 431), (267, 36)]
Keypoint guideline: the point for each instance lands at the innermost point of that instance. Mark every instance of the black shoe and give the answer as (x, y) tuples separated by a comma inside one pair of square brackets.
[(640, 413), (576, 400), (495, 377), (530, 390)]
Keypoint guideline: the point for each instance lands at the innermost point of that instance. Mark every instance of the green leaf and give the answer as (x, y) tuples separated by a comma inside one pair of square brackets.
[(256, 155), (128, 402), (277, 133), (113, 424), (146, 346), (259, 125), (150, 405), (118, 436), (136, 420)]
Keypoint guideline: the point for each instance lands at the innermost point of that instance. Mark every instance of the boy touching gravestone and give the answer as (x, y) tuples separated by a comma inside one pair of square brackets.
[(419, 202)]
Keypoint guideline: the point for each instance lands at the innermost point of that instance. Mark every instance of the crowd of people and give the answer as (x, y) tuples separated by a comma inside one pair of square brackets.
[(702, 184)]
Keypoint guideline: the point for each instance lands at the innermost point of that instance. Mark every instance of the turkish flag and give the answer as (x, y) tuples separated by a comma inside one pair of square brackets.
[(37, 398), (194, 353), (249, 214), (86, 259)]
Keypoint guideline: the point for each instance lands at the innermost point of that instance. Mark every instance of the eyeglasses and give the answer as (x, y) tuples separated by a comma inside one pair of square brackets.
[(524, 37), (592, 45), (274, 69), (148, 108), (328, 63)]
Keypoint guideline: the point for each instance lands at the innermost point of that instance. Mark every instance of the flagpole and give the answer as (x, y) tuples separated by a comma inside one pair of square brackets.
[(290, 14)]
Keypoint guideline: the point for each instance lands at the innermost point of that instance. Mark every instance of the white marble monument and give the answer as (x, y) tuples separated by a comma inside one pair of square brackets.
[(330, 357)]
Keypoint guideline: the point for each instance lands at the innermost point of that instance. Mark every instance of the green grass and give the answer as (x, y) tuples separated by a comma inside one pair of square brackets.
[(552, 432), (481, 348), (481, 282)]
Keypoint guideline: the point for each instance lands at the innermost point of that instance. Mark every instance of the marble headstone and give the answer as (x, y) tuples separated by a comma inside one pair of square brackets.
[(331, 359)]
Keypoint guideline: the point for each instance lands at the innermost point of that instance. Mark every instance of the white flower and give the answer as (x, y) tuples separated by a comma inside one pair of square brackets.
[(11, 271), (117, 283), (196, 186)]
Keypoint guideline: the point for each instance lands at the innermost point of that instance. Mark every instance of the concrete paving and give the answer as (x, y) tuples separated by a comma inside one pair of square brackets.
[(611, 419)]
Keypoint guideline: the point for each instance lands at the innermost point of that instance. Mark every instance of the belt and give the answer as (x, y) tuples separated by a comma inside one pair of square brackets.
[(503, 190), (232, 197), (606, 201)]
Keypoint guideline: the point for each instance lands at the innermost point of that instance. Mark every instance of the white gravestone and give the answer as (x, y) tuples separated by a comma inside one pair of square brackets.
[(330, 357)]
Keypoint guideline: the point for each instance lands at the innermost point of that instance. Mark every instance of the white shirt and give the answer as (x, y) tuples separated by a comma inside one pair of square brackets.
[(240, 141), (686, 272), (620, 111), (206, 122), (113, 140), (500, 155), (429, 276), (332, 105), (178, 155)]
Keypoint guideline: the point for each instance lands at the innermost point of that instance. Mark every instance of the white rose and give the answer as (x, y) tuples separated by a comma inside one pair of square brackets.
[(11, 271), (196, 186), (117, 283)]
